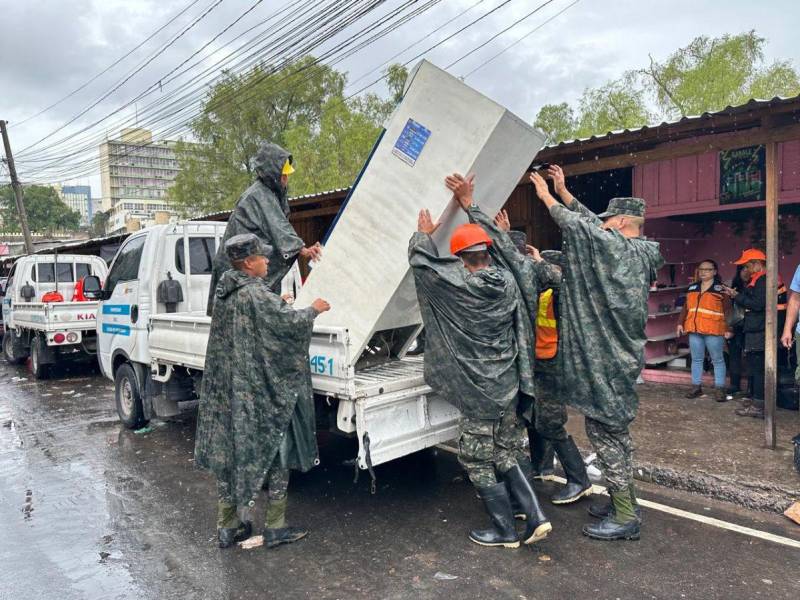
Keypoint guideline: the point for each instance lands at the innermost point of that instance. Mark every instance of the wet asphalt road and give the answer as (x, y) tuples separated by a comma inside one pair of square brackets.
[(89, 510)]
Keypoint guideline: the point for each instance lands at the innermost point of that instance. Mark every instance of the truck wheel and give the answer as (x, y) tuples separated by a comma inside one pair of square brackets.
[(8, 350), (38, 369), (128, 398)]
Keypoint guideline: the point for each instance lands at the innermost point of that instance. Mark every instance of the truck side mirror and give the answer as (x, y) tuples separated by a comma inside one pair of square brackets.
[(92, 288)]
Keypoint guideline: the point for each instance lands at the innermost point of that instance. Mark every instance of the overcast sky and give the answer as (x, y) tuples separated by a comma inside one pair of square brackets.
[(50, 47)]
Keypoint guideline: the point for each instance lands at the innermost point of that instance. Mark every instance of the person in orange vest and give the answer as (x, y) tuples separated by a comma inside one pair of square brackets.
[(705, 318), (754, 300)]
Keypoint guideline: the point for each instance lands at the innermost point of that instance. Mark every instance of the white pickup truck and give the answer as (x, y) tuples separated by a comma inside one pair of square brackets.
[(51, 330), (156, 357)]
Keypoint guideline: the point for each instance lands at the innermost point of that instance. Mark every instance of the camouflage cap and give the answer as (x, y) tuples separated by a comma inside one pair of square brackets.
[(243, 245), (554, 257), (632, 207)]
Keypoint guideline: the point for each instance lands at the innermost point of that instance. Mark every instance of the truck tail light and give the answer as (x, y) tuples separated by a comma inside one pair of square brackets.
[(59, 338), (72, 337)]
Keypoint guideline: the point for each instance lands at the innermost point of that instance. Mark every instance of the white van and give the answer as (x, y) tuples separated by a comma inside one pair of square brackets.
[(44, 313), (154, 351)]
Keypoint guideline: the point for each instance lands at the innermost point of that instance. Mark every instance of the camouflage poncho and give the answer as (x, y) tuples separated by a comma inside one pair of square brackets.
[(263, 209), (532, 278), (256, 398), (477, 333), (603, 313)]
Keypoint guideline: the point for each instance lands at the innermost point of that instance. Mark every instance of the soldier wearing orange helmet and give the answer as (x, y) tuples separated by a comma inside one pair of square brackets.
[(479, 357)]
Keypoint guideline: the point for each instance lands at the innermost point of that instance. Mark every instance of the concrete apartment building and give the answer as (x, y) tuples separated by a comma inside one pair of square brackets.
[(135, 174), (79, 199)]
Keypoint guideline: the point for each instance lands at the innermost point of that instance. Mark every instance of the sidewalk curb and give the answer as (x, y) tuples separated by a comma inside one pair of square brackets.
[(755, 495)]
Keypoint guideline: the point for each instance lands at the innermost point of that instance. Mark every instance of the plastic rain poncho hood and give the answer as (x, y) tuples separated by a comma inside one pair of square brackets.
[(263, 209)]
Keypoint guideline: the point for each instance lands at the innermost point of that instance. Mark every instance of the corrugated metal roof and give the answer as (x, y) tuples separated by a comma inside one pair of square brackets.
[(316, 195), (751, 104)]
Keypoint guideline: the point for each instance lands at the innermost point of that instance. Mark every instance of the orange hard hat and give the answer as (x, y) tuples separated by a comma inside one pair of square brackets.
[(469, 234), (751, 254)]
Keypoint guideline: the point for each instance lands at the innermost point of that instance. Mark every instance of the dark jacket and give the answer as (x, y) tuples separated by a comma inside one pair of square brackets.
[(753, 298)]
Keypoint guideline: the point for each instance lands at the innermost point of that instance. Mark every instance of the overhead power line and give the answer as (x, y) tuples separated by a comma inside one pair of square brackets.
[(127, 78), (527, 35), (111, 66), (306, 48), (174, 118), (499, 33)]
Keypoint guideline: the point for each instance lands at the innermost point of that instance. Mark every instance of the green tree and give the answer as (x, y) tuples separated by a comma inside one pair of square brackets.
[(712, 73), (46, 212), (707, 74), (331, 154), (615, 105), (557, 122), (302, 108), (100, 223), (239, 112)]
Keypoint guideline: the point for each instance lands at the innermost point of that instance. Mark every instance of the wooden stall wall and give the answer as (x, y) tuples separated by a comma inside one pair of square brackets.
[(691, 184)]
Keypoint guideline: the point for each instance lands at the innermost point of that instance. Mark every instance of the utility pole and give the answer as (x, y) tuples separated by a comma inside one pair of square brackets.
[(23, 217)]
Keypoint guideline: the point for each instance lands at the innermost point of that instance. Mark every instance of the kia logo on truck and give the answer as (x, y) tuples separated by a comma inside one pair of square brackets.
[(89, 317)]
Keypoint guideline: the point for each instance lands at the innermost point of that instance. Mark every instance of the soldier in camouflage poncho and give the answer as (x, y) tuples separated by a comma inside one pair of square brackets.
[(478, 357), (256, 417), (263, 209), (608, 269)]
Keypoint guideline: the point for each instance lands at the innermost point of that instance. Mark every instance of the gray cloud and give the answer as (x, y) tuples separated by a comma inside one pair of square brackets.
[(50, 47)]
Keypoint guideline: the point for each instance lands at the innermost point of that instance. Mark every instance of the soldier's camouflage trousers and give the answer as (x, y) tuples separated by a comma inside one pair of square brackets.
[(489, 446), (614, 453), (276, 484), (550, 412)]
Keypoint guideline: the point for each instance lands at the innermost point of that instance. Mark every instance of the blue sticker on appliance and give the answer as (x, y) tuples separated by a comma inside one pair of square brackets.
[(411, 142)]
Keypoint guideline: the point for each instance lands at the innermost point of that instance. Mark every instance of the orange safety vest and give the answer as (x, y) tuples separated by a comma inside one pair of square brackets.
[(546, 326), (704, 310)]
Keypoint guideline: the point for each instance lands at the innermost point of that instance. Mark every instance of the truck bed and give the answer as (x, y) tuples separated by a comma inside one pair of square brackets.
[(55, 316), (181, 339)]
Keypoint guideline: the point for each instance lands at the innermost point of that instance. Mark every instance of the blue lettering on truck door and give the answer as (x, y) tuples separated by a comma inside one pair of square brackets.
[(116, 309), (116, 329)]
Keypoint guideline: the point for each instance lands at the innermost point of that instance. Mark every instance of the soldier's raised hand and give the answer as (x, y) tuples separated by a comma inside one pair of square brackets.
[(502, 221), (540, 185), (555, 173), (425, 223), (462, 188), (533, 252), (312, 252), (320, 305)]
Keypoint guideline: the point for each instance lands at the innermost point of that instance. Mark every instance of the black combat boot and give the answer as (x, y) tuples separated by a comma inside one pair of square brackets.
[(622, 525), (542, 454), (527, 471), (498, 505), (602, 510), (578, 484), (536, 526), (283, 535), (228, 536)]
